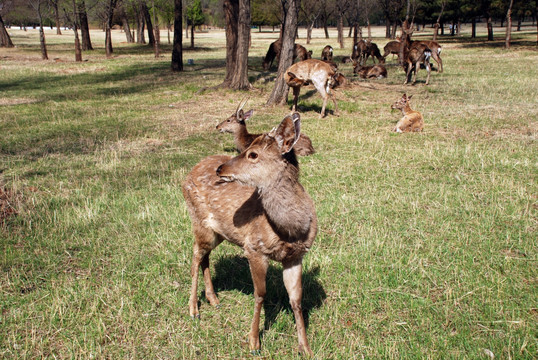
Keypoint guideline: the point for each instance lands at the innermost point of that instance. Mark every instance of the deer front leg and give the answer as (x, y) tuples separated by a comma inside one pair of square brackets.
[(258, 269), (428, 69), (292, 275), (296, 91)]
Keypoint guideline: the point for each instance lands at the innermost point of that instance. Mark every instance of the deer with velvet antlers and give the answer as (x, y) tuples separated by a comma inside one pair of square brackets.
[(255, 201), (236, 125)]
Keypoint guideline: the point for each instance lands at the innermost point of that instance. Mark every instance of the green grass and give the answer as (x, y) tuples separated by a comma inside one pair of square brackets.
[(426, 245)]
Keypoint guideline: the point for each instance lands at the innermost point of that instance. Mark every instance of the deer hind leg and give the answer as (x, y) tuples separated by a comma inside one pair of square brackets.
[(296, 92), (205, 240), (428, 70), (292, 275), (258, 269)]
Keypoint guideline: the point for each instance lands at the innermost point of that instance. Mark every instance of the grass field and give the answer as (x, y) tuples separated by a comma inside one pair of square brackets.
[(427, 243)]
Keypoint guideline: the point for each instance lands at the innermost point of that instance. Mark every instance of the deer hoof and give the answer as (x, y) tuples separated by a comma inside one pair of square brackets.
[(255, 352), (195, 317)]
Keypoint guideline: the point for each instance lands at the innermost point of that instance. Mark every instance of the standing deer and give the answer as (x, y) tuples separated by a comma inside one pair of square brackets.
[(255, 201), (236, 125), (435, 48), (327, 53), (321, 74), (364, 49), (273, 53), (414, 57), (392, 47), (412, 120)]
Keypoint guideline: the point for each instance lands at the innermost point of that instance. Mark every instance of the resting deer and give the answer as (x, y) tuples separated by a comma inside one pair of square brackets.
[(321, 74), (255, 201), (412, 120), (299, 52), (327, 53), (236, 124), (414, 57), (370, 72)]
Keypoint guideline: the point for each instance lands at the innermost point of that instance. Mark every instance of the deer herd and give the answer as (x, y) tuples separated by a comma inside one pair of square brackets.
[(255, 200)]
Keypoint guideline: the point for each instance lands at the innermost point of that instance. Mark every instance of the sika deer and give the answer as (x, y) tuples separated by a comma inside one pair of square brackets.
[(412, 120), (392, 47), (370, 72), (255, 201), (327, 53), (273, 53), (236, 124), (435, 48), (321, 74), (419, 54)]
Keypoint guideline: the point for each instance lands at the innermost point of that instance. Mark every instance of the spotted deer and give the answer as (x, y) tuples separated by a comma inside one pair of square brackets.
[(412, 120), (236, 125), (255, 201), (323, 75)]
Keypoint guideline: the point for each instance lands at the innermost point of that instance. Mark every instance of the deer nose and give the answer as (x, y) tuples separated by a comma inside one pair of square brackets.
[(219, 170)]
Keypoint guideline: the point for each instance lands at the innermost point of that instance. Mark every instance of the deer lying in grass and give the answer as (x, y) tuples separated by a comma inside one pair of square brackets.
[(414, 57), (236, 125), (321, 74), (370, 72), (327, 53), (299, 52), (255, 201), (412, 120)]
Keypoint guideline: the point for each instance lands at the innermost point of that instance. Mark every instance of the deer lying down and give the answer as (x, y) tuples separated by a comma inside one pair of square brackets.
[(412, 120), (321, 74), (370, 72), (255, 201), (236, 124)]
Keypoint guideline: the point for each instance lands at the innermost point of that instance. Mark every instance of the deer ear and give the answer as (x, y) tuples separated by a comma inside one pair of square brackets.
[(287, 133), (409, 97), (248, 114)]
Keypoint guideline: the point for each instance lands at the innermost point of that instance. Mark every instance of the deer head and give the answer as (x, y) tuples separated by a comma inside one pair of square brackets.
[(402, 103), (266, 158), (238, 118)]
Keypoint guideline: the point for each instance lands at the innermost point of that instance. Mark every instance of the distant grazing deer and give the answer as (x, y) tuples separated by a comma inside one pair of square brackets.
[(435, 48), (321, 74), (392, 47), (414, 57), (364, 49), (273, 53), (255, 201), (370, 72), (412, 120), (327, 53), (236, 124)]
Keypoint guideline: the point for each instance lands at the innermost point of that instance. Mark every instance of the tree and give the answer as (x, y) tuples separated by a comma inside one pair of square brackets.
[(37, 5), (237, 13), (509, 25), (177, 49), (54, 4), (74, 25), (111, 5), (5, 39), (279, 96), (195, 17), (84, 26), (442, 3)]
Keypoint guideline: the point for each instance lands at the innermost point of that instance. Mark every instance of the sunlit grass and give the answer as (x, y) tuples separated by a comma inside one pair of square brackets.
[(426, 244)]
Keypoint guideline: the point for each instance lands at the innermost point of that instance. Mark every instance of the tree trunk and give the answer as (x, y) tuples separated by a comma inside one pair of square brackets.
[(149, 25), (473, 28), (140, 26), (240, 76), (340, 28), (5, 39), (192, 36), (126, 27), (394, 29), (78, 50), (44, 54), (56, 17), (309, 32), (157, 40), (387, 29), (231, 13), (509, 25), (84, 27), (280, 91), (490, 28), (177, 49), (108, 30)]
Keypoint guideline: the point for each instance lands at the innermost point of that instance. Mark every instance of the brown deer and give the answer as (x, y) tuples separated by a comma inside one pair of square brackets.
[(255, 201), (273, 53), (236, 125), (435, 48), (370, 72), (364, 49), (321, 74), (414, 57), (392, 47), (412, 120), (327, 53)]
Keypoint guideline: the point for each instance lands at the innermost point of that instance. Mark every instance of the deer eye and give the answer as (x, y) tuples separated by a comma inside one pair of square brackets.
[(252, 156)]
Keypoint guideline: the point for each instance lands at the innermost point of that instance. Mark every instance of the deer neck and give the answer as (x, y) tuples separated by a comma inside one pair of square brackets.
[(241, 136), (287, 205), (407, 109)]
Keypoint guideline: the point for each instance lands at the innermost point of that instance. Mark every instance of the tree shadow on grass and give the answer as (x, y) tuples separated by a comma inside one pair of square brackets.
[(232, 273)]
